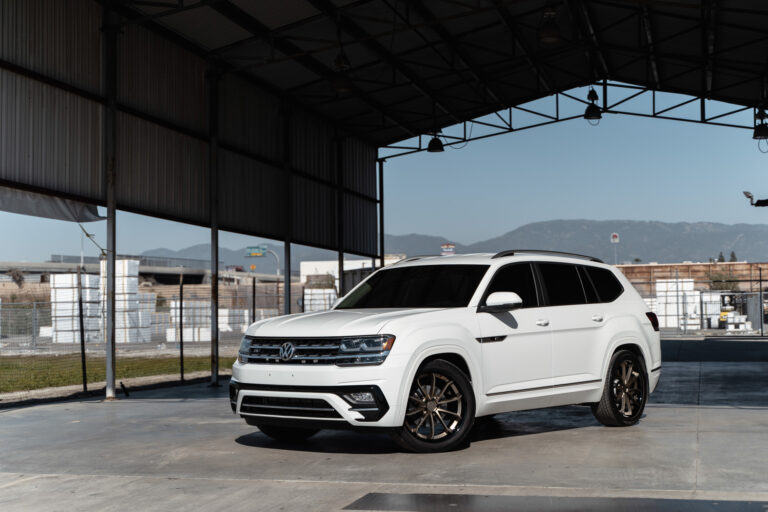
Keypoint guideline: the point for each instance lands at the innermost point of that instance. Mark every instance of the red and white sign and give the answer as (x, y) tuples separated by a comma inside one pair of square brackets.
[(614, 238), (448, 249)]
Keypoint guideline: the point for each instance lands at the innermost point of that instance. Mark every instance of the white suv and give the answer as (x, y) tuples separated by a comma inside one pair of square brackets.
[(425, 346)]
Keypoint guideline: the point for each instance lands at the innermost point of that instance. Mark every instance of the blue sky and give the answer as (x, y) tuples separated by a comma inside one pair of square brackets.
[(624, 168)]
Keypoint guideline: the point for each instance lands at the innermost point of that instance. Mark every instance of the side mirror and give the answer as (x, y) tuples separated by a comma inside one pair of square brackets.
[(501, 302)]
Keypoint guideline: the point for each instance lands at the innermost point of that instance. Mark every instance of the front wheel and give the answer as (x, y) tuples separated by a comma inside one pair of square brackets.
[(625, 392), (440, 412)]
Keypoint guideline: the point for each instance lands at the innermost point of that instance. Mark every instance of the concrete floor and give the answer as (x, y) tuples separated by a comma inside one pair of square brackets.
[(703, 442)]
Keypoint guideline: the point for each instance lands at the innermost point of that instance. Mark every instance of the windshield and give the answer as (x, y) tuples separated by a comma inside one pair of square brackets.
[(424, 286)]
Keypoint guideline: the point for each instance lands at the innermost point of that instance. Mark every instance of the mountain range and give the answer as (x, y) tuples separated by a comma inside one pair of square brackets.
[(648, 241)]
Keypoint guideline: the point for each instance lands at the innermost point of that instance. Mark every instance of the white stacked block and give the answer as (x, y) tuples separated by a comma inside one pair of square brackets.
[(197, 313), (74, 336), (319, 299), (128, 328), (65, 307), (191, 334), (677, 303)]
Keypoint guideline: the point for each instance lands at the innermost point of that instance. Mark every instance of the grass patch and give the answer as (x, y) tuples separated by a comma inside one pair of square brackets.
[(22, 373)]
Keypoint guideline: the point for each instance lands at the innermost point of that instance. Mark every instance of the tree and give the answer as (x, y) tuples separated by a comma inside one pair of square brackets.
[(637, 260), (721, 258), (17, 276), (724, 282), (733, 257)]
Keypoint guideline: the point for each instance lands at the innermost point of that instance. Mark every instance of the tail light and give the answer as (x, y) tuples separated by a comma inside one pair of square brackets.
[(654, 321)]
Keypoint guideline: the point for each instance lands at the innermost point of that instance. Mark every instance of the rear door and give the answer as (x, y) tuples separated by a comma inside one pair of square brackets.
[(516, 345), (577, 319)]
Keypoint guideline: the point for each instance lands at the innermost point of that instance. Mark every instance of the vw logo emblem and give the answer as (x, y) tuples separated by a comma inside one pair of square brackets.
[(286, 351)]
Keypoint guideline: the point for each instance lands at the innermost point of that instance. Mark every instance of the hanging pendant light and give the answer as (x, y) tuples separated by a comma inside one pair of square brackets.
[(761, 128), (593, 114), (549, 31), (435, 145), (340, 82)]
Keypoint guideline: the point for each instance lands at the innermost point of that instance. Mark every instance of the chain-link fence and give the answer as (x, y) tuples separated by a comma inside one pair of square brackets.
[(724, 307), (164, 335)]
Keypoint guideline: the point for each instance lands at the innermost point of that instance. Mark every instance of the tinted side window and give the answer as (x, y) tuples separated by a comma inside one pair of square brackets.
[(589, 289), (608, 287), (516, 278), (562, 284)]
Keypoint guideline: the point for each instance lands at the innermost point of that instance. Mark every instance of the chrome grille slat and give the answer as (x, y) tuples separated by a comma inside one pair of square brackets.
[(306, 351)]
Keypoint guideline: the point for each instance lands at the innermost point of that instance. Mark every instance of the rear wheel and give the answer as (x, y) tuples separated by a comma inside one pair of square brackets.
[(289, 434), (441, 409), (625, 392)]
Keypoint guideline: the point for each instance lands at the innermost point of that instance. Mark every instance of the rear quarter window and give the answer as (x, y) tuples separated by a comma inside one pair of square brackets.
[(562, 284), (606, 283)]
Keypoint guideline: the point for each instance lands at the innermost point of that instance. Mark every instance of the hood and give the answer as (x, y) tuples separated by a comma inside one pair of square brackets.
[(338, 322)]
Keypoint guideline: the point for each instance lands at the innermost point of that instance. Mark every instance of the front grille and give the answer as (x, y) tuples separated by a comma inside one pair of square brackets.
[(281, 406), (307, 351)]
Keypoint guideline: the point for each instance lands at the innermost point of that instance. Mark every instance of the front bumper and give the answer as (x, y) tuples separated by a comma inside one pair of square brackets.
[(317, 396)]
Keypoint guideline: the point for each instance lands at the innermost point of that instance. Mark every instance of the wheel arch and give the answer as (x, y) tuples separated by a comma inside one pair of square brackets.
[(454, 354), (635, 346), (454, 358)]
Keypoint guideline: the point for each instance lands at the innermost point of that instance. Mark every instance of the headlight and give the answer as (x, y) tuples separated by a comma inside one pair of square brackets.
[(245, 349), (364, 349)]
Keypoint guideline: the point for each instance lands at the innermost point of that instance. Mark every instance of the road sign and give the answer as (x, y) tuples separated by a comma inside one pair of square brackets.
[(448, 249), (253, 267), (614, 238), (255, 251)]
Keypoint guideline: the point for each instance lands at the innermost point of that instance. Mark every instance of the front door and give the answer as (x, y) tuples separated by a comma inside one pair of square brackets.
[(516, 345)]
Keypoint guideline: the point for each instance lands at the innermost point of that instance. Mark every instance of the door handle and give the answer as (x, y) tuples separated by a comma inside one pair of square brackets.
[(543, 322), (597, 318)]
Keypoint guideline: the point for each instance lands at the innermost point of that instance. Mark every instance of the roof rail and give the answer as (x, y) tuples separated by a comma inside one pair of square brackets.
[(414, 258), (554, 253)]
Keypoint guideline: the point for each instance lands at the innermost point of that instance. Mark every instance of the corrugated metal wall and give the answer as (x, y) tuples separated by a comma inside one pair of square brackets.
[(244, 181), (51, 137), (250, 118), (161, 171), (59, 39), (159, 78)]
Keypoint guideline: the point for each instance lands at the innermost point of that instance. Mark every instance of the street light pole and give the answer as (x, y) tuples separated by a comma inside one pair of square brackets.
[(277, 281)]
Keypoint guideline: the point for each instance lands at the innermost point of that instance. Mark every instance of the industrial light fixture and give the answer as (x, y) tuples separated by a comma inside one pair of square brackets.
[(435, 145), (593, 114), (549, 31), (342, 84), (340, 81), (761, 129)]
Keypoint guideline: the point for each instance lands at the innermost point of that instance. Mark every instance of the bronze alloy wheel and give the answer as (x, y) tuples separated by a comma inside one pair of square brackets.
[(627, 387), (434, 407), (440, 411), (625, 392)]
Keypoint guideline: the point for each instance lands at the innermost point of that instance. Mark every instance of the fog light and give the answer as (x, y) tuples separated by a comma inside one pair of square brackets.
[(360, 397)]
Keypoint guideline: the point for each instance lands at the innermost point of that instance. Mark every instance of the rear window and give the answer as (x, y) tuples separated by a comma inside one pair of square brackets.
[(606, 284), (562, 284), (425, 286)]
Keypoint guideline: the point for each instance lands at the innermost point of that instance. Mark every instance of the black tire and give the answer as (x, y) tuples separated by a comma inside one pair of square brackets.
[(625, 392), (287, 434), (440, 413)]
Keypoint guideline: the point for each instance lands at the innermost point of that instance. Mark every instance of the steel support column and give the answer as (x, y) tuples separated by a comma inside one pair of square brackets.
[(340, 210), (213, 76), (288, 211), (381, 211), (109, 84)]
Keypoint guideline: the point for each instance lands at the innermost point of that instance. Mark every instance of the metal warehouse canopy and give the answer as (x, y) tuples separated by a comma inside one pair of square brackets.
[(265, 117), (410, 67)]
